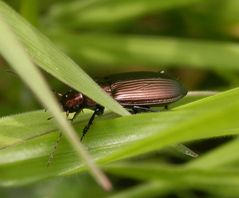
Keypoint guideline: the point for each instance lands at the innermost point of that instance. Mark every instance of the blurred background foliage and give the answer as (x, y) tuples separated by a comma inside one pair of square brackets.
[(194, 40)]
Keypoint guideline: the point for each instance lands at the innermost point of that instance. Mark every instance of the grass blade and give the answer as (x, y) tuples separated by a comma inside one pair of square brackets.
[(13, 52), (113, 139), (52, 60), (150, 51), (99, 13)]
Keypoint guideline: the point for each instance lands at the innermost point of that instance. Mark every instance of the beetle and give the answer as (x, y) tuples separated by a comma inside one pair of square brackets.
[(136, 91)]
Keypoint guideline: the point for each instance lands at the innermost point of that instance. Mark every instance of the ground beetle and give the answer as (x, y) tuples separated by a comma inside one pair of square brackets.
[(136, 91)]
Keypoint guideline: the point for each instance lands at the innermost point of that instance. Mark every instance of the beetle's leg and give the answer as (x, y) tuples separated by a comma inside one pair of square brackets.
[(67, 114), (166, 107), (51, 156), (138, 109), (98, 111), (74, 116), (49, 118), (58, 140)]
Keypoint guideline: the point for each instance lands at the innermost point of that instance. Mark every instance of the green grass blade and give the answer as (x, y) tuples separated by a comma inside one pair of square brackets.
[(52, 60), (14, 53), (113, 139), (109, 12), (149, 189), (226, 153), (153, 52), (155, 171), (177, 175), (29, 10)]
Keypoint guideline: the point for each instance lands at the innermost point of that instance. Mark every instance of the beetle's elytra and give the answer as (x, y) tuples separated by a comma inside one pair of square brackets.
[(136, 91)]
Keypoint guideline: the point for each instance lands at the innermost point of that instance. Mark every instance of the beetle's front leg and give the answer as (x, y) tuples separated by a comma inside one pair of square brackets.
[(74, 116), (99, 110)]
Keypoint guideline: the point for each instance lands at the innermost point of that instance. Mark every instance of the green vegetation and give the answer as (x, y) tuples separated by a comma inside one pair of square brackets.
[(194, 40)]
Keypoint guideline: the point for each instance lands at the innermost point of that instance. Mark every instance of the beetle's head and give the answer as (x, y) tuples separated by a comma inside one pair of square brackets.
[(71, 101)]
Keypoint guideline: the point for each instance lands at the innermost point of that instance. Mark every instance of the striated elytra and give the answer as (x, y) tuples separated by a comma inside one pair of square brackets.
[(136, 91)]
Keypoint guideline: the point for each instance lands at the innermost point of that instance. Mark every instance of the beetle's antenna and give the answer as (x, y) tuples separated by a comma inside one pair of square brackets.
[(51, 156)]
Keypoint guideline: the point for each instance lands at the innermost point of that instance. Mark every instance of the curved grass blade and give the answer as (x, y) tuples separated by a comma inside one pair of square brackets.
[(114, 139), (147, 189), (99, 13), (14, 53), (178, 176), (52, 60), (150, 51), (226, 153)]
